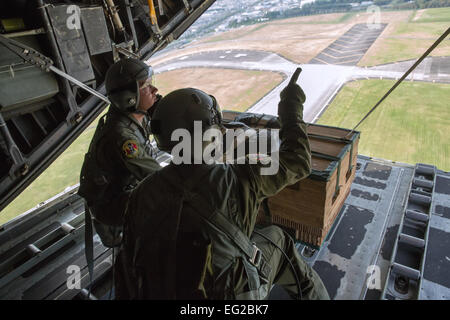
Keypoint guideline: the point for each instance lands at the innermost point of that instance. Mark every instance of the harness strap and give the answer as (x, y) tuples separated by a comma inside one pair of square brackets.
[(98, 134), (89, 244), (254, 255), (242, 241)]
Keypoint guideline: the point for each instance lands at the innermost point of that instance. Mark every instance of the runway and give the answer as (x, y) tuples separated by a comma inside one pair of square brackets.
[(320, 82)]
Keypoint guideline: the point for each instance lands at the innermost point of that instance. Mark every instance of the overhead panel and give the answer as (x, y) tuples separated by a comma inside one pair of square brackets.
[(71, 42), (95, 30)]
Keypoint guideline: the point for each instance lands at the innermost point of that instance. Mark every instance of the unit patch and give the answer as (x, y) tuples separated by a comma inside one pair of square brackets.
[(130, 148)]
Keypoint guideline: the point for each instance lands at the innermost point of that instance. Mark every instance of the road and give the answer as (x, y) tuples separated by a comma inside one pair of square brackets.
[(320, 82)]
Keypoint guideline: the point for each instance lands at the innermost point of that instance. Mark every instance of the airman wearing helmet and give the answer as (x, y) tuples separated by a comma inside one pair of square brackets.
[(120, 154), (189, 229)]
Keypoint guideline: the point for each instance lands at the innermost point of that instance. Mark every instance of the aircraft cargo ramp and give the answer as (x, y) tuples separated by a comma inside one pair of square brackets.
[(372, 240)]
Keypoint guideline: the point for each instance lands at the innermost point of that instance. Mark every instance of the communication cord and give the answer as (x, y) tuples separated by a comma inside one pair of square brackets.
[(288, 260)]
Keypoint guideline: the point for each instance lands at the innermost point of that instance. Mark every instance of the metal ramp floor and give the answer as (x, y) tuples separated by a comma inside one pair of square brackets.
[(38, 248)]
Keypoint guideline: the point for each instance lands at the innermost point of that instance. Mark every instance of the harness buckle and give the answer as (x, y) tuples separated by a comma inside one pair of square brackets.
[(256, 256)]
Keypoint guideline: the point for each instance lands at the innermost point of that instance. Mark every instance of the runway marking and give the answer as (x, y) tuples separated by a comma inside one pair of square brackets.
[(344, 41), (321, 60), (343, 51), (338, 60), (315, 61), (336, 44), (344, 62), (329, 48), (240, 55), (353, 43), (328, 55), (355, 55)]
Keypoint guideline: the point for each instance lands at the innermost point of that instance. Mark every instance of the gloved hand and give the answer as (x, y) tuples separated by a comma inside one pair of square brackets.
[(293, 90), (292, 98)]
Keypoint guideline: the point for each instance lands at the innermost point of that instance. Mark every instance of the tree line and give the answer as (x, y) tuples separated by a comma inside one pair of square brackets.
[(331, 6)]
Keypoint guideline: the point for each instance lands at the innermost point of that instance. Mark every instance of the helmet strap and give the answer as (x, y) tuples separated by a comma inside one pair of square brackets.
[(140, 112)]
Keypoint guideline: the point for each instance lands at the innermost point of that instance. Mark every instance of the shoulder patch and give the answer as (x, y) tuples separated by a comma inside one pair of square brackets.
[(130, 148)]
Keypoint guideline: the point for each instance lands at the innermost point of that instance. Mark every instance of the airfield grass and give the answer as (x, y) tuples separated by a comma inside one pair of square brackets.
[(330, 18), (234, 89), (432, 15), (409, 40), (298, 39), (410, 126), (62, 173)]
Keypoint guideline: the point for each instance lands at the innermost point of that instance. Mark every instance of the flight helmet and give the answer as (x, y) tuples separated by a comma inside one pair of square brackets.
[(122, 83), (178, 110)]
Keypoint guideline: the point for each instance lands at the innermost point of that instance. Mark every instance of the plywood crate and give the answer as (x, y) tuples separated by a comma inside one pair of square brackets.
[(310, 207)]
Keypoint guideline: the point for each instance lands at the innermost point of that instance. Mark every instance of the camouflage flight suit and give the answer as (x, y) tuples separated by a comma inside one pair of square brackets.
[(174, 248), (120, 155)]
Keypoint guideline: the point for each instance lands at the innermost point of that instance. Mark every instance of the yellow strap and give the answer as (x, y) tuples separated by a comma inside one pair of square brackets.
[(152, 12)]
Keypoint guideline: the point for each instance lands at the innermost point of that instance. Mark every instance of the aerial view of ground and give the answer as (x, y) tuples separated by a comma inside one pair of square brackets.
[(236, 89), (403, 35), (404, 40), (298, 39), (409, 126)]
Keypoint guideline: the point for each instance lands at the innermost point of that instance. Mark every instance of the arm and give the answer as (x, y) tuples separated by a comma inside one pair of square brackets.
[(295, 154), (134, 157)]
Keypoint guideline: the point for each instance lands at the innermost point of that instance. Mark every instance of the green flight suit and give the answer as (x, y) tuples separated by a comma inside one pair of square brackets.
[(174, 249), (120, 156)]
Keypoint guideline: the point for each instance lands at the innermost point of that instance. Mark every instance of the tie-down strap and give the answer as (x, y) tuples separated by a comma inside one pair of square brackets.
[(237, 236), (253, 253)]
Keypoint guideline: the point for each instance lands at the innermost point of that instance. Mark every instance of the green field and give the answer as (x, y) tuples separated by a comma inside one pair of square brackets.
[(433, 15), (409, 40), (62, 173), (412, 125)]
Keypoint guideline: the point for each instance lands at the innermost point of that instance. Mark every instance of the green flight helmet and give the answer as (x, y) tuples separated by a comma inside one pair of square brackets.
[(122, 83), (178, 110)]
